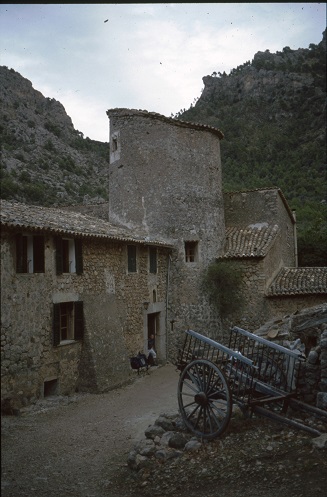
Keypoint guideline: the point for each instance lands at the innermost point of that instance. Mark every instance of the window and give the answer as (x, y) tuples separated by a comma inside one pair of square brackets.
[(68, 322), (191, 251), (114, 143), (115, 146), (29, 253), (153, 260), (131, 258), (69, 255)]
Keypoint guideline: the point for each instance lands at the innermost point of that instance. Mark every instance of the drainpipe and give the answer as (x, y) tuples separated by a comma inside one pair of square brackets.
[(167, 302), (295, 239)]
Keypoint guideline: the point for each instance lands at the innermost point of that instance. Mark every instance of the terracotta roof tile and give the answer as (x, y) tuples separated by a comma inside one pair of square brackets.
[(37, 218), (300, 280), (251, 241)]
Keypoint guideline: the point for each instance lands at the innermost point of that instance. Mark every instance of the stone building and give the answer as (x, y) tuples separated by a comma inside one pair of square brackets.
[(81, 294), (261, 238), (165, 177), (78, 299)]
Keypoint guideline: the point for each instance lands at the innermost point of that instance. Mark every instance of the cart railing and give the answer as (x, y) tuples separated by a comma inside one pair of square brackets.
[(278, 367), (254, 367), (238, 369), (258, 375)]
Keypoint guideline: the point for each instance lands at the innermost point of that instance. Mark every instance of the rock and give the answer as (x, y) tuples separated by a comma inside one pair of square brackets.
[(177, 441), (320, 442), (154, 431), (146, 447), (164, 441), (172, 454), (161, 454), (313, 357), (193, 446), (131, 460), (322, 400), (165, 423)]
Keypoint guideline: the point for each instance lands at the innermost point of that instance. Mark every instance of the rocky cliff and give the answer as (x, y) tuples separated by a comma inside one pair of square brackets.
[(44, 159), (272, 112)]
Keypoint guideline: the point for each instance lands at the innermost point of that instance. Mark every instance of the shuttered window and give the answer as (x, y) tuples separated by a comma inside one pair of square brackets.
[(69, 255), (131, 257), (29, 253), (68, 322), (153, 260)]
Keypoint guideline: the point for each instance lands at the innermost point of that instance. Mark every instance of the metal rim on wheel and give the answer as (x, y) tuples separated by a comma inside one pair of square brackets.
[(204, 399)]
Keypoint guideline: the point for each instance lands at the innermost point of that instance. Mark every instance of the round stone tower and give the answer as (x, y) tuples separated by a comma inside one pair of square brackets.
[(165, 181)]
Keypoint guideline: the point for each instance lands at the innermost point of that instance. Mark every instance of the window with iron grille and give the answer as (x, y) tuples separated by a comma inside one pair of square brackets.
[(29, 253), (131, 258), (191, 251)]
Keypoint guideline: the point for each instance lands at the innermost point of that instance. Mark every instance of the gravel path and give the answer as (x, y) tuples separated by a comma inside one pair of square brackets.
[(76, 446)]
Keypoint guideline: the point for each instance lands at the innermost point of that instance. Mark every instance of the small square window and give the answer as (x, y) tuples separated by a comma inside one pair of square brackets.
[(191, 251), (114, 143)]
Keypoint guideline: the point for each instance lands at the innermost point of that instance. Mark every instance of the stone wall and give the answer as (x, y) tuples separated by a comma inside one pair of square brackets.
[(115, 327), (304, 329)]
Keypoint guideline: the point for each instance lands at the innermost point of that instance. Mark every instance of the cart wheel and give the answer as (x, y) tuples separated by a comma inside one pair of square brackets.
[(204, 399)]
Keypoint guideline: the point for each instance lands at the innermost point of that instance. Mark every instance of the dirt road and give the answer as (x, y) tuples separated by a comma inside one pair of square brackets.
[(75, 446), (78, 447)]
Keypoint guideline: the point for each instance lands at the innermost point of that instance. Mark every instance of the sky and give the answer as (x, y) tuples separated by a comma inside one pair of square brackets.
[(150, 56)]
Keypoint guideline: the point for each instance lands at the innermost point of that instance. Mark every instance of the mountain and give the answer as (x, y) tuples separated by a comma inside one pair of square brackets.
[(272, 112), (45, 161)]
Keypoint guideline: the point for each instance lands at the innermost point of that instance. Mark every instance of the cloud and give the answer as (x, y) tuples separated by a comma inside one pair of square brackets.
[(147, 56)]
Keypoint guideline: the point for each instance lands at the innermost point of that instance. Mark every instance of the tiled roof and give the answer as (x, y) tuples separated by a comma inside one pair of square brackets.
[(279, 191), (300, 280), (251, 241), (50, 219), (170, 120)]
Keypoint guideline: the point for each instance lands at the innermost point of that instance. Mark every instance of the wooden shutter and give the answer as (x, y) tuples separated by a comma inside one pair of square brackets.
[(79, 256), (38, 253), (19, 253), (79, 321), (56, 325), (59, 255), (153, 260), (131, 255)]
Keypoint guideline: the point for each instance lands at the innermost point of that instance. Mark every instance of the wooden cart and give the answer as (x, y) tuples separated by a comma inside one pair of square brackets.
[(256, 374)]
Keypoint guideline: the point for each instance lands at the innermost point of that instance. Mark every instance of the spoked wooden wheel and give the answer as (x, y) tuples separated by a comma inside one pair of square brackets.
[(204, 399)]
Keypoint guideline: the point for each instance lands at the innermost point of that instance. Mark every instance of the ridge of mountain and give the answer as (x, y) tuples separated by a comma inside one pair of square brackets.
[(45, 161), (271, 110)]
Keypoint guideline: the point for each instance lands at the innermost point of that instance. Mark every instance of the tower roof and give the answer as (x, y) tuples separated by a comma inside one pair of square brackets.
[(168, 120)]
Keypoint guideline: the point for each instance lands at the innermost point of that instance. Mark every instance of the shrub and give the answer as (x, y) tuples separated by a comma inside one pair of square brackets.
[(49, 146), (222, 283)]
